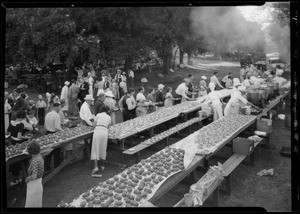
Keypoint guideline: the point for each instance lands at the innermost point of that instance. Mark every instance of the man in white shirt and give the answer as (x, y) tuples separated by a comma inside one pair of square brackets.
[(182, 90), (85, 111), (52, 125), (215, 81), (131, 77), (214, 97), (53, 120)]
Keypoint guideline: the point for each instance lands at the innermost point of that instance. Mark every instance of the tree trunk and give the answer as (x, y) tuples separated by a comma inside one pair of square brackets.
[(166, 64), (128, 63), (174, 60), (189, 58), (181, 53)]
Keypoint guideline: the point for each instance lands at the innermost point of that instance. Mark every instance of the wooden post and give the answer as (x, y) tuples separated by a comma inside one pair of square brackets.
[(228, 185), (216, 197)]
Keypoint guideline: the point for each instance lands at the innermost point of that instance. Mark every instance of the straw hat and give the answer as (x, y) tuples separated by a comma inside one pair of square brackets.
[(109, 94), (203, 77), (160, 86), (89, 97)]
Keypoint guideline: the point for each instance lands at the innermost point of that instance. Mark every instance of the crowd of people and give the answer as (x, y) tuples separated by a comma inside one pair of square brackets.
[(96, 100)]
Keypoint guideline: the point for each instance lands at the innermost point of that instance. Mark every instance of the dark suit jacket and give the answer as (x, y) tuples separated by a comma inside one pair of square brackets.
[(159, 98), (84, 90), (19, 104)]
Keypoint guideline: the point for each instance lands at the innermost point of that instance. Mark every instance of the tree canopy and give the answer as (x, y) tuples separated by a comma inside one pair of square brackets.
[(75, 36)]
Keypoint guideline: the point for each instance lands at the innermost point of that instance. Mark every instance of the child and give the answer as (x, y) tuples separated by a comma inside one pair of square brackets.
[(41, 109), (169, 97)]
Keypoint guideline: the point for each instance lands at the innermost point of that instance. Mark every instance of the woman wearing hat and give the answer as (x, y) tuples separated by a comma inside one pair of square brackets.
[(34, 196), (65, 95), (85, 111), (111, 104), (100, 138)]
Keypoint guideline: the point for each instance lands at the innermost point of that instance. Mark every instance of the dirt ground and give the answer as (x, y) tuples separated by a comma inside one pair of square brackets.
[(248, 189)]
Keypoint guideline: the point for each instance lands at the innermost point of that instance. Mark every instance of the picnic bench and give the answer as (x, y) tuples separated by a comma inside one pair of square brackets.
[(143, 145), (212, 190), (232, 163), (228, 168)]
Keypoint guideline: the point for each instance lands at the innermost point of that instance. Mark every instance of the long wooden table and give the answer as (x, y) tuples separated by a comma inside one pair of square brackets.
[(175, 179)]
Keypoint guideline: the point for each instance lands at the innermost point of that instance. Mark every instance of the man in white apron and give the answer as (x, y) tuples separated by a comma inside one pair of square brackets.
[(214, 97), (233, 104)]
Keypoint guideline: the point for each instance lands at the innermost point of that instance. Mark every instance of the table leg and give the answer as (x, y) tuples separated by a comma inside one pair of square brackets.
[(216, 197), (152, 132), (138, 156), (24, 170), (57, 169), (228, 185)]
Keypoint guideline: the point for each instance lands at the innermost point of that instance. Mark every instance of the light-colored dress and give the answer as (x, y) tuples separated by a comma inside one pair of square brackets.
[(91, 81), (7, 107), (168, 100), (100, 137), (111, 104), (65, 96)]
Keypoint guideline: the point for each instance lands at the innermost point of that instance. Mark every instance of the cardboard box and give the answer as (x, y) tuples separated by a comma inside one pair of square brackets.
[(243, 146), (264, 125)]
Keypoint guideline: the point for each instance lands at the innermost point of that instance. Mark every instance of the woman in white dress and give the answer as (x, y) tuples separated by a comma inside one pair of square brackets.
[(7, 110), (91, 83), (64, 96), (111, 104), (100, 138)]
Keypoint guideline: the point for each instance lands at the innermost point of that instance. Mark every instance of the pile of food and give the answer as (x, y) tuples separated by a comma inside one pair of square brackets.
[(170, 131), (15, 150), (47, 141), (134, 185), (63, 136), (142, 123), (216, 132)]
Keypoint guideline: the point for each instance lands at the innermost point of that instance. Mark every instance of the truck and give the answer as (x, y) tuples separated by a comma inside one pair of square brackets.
[(273, 60)]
